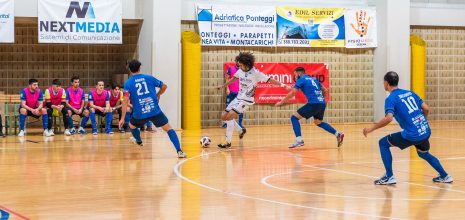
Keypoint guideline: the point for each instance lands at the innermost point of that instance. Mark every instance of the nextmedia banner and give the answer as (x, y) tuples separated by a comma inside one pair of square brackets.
[(229, 25), (361, 28), (310, 27), (80, 21), (7, 21), (284, 73)]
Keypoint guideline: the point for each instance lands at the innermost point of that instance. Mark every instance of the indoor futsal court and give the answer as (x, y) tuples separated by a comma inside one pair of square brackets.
[(189, 109)]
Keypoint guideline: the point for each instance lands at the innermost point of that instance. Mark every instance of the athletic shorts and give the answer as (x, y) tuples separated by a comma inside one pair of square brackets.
[(239, 106), (317, 111), (230, 97), (397, 140), (158, 120)]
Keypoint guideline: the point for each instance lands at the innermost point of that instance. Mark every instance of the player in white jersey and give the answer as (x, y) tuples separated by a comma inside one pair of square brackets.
[(248, 77)]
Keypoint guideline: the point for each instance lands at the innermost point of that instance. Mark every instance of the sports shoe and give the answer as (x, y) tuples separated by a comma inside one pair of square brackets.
[(21, 133), (109, 131), (46, 134), (385, 180), (297, 144), (447, 179), (51, 132), (94, 131), (121, 130), (224, 145), (149, 129), (73, 131), (241, 135), (181, 154), (134, 141), (340, 139), (81, 130), (67, 133)]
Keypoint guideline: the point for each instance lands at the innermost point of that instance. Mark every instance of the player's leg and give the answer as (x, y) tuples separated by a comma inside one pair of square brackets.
[(49, 113), (64, 113), (22, 120), (319, 110), (43, 113), (127, 118), (229, 118), (134, 125), (161, 120), (85, 117), (108, 119), (297, 129), (423, 152), (93, 120)]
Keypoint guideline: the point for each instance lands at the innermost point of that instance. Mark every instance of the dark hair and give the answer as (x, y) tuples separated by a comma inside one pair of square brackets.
[(391, 78), (74, 78), (56, 82), (114, 85), (32, 81), (299, 69), (134, 66), (246, 58)]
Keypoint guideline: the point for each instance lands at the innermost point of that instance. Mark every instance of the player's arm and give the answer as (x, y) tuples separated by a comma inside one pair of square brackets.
[(23, 105), (288, 96), (226, 77), (324, 90), (228, 82), (119, 103), (124, 108), (425, 109), (41, 102), (381, 123)]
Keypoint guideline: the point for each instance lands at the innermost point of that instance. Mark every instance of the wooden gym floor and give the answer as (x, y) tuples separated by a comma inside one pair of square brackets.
[(105, 177)]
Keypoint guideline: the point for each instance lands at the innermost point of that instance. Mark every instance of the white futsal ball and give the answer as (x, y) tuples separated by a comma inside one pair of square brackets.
[(205, 141)]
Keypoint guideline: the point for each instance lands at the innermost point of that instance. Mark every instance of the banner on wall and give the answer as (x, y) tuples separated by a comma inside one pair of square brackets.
[(360, 28), (229, 25), (7, 21), (284, 73), (80, 21), (310, 27)]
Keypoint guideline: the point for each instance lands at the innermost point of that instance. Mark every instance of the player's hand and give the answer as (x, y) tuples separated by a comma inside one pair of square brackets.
[(366, 131), (78, 112), (158, 97), (227, 92), (279, 103), (121, 123)]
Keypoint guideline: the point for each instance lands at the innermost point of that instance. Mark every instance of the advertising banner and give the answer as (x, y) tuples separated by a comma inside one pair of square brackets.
[(284, 73), (360, 28), (229, 25), (7, 21), (310, 27), (80, 21)]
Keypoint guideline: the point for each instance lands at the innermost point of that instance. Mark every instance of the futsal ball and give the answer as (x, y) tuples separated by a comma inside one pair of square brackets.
[(205, 141)]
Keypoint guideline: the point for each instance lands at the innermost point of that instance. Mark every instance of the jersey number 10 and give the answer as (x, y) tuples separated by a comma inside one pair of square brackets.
[(139, 88), (411, 104)]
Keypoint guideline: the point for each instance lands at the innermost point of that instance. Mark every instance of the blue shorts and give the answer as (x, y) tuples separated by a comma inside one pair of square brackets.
[(230, 97), (158, 120), (397, 140), (317, 111)]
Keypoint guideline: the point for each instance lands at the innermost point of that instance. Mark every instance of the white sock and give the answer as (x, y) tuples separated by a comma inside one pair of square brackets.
[(299, 139), (237, 126), (229, 130)]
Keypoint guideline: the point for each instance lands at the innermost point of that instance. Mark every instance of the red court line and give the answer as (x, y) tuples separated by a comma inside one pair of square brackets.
[(14, 213)]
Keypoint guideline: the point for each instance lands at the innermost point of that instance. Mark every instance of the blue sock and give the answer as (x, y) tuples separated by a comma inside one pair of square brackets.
[(126, 119), (241, 117), (93, 121), (22, 121), (70, 122), (296, 126), (84, 121), (327, 127), (108, 119), (149, 124), (45, 121), (434, 162), (136, 134), (386, 155), (174, 139)]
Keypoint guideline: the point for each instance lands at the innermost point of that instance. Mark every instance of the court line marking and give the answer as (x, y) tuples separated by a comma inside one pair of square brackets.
[(176, 170), (13, 212), (265, 182)]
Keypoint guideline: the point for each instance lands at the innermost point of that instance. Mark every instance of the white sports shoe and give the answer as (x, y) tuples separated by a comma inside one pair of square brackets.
[(447, 179), (46, 134), (67, 132), (384, 180), (21, 133), (51, 132)]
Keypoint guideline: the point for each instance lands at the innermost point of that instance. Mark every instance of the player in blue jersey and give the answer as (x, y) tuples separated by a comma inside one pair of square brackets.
[(410, 112), (315, 107), (141, 89)]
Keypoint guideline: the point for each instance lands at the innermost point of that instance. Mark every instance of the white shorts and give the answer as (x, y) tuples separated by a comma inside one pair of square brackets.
[(238, 106)]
